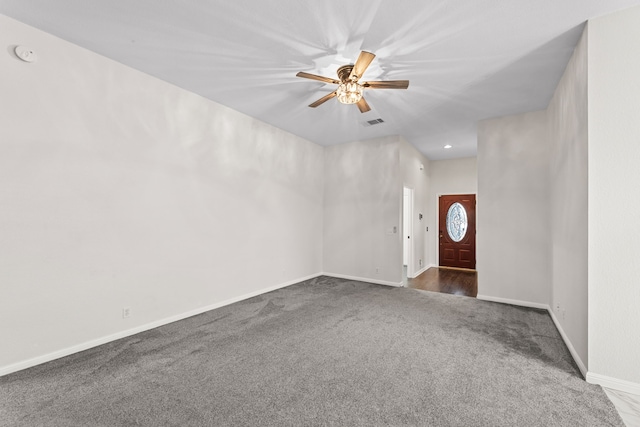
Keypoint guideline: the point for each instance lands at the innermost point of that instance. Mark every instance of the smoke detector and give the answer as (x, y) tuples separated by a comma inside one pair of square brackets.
[(25, 54)]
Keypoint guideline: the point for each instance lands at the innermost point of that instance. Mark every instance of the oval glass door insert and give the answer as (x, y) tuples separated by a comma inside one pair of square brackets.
[(457, 222)]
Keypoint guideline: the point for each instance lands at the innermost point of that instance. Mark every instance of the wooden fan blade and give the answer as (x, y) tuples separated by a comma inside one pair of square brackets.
[(323, 99), (316, 77), (363, 106), (361, 64), (389, 84)]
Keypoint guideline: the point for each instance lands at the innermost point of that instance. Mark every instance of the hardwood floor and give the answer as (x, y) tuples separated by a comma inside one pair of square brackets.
[(447, 280)]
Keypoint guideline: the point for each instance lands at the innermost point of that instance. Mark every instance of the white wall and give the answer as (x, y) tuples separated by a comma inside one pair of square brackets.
[(363, 195), (456, 176), (415, 168), (362, 205), (589, 253), (567, 116), (513, 259), (614, 205), (120, 190)]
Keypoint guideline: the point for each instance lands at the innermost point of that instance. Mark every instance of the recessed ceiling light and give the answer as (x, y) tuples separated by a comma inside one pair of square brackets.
[(447, 146)]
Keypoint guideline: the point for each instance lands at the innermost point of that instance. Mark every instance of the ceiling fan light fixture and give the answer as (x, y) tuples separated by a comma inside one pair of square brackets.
[(349, 92), (350, 89)]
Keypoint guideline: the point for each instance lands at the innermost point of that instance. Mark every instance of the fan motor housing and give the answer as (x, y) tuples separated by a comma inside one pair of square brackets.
[(344, 72)]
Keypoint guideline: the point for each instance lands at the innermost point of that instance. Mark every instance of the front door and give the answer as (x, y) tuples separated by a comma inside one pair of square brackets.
[(458, 231)]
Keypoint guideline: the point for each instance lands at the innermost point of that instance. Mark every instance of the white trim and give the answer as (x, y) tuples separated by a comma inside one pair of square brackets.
[(410, 228), (4, 370), (364, 279), (419, 272), (514, 302), (613, 383), (565, 338)]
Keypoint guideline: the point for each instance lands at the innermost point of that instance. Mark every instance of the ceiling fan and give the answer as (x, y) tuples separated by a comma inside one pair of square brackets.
[(350, 89)]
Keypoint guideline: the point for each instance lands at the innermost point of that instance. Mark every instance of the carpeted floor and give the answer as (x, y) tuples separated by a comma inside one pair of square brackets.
[(323, 352)]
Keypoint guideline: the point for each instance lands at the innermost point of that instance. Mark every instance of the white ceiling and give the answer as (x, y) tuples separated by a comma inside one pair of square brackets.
[(466, 60)]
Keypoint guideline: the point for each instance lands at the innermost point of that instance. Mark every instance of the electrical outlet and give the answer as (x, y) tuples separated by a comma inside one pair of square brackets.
[(420, 261), (557, 306), (377, 270), (126, 312)]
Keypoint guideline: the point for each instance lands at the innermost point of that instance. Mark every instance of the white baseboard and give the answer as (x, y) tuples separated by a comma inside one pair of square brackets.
[(613, 383), (4, 370), (419, 272), (565, 338), (364, 279), (514, 302)]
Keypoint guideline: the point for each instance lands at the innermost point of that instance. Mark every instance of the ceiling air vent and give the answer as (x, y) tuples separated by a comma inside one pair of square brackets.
[(373, 122)]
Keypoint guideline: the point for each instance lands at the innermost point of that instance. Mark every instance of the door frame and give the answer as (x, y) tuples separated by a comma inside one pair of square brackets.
[(437, 223), (411, 249)]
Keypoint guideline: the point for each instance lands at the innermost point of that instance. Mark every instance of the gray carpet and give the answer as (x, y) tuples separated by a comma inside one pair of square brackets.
[(323, 352)]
